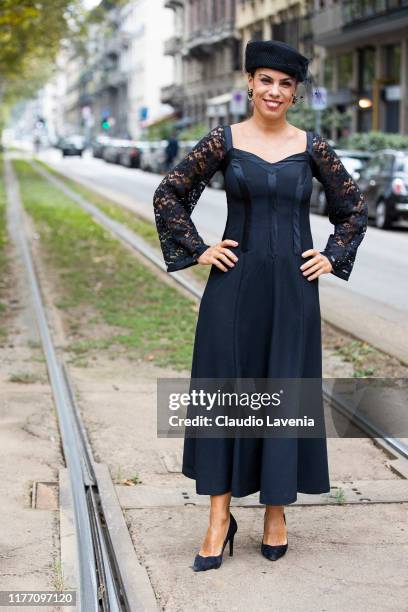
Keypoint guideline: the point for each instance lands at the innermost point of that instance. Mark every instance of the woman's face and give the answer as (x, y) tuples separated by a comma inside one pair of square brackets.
[(271, 86)]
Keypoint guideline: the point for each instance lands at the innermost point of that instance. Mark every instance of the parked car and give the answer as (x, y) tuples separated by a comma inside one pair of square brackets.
[(354, 162), (384, 183), (98, 145), (153, 155), (113, 150), (130, 154), (72, 145)]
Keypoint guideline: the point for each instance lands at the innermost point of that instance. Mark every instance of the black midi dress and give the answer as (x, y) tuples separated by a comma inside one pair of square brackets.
[(261, 318)]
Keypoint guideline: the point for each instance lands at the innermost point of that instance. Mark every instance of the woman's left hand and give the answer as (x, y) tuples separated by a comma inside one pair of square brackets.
[(319, 264)]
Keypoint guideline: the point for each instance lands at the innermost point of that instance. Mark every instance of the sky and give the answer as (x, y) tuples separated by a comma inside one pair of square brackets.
[(89, 4)]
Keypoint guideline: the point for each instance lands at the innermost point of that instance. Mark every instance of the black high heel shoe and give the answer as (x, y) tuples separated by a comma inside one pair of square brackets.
[(214, 562), (273, 553)]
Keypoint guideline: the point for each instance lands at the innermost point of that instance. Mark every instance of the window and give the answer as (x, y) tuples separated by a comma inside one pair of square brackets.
[(402, 165), (345, 70), (214, 11), (221, 8), (393, 61), (237, 54), (373, 167), (386, 162), (366, 68), (328, 72)]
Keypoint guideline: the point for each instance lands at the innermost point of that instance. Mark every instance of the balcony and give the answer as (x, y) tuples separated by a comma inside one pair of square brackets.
[(172, 94), (351, 21), (172, 45), (200, 43), (173, 4), (104, 79), (115, 44)]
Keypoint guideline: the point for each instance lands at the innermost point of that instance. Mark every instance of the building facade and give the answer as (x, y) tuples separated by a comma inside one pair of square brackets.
[(209, 46), (117, 81), (285, 20), (366, 60), (206, 52), (289, 21)]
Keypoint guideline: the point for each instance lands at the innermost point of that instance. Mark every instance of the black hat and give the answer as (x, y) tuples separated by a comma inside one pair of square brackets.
[(275, 54)]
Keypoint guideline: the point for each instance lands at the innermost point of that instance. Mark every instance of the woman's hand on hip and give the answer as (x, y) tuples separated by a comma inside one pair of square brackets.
[(219, 253), (317, 265)]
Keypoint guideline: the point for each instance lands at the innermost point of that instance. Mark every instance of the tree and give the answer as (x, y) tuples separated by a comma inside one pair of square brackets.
[(31, 34)]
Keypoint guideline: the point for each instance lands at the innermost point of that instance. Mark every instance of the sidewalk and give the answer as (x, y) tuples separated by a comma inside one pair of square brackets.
[(350, 556)]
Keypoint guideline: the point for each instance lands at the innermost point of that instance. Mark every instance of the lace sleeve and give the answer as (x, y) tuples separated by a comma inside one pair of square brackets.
[(346, 205), (176, 196)]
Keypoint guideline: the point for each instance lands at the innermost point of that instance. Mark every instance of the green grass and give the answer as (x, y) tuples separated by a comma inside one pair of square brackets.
[(142, 227), (102, 281), (4, 263), (26, 378), (356, 352), (338, 494)]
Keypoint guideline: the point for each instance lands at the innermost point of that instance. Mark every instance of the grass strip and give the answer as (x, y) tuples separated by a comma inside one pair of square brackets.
[(141, 226), (4, 263), (100, 281)]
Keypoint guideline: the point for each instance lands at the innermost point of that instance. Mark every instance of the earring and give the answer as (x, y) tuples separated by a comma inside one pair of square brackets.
[(250, 94), (295, 99)]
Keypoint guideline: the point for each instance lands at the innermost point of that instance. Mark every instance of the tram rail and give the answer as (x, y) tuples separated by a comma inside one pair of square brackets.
[(131, 239)]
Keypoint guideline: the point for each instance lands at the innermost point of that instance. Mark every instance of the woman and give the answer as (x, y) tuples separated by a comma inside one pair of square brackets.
[(260, 312)]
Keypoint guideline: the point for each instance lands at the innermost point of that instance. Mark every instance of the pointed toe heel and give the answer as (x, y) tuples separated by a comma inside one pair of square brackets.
[(214, 562), (273, 553)]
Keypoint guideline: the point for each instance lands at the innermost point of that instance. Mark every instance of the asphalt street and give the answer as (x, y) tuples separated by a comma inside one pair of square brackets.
[(372, 305)]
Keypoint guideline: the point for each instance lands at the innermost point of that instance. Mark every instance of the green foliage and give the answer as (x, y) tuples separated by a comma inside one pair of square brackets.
[(374, 141), (194, 132), (303, 116), (31, 34), (161, 131), (30, 31)]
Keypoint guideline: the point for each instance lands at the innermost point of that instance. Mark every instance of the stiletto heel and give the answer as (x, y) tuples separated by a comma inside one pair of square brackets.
[(231, 546), (273, 553), (214, 562)]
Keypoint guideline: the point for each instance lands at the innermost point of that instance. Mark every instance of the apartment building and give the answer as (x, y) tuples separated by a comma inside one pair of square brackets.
[(366, 63), (207, 55), (285, 20), (120, 75), (209, 46)]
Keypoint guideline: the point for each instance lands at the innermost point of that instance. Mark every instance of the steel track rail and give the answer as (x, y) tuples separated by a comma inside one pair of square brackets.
[(130, 238), (342, 407), (99, 587)]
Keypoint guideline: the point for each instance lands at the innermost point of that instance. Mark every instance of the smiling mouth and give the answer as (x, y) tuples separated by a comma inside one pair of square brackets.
[(272, 103)]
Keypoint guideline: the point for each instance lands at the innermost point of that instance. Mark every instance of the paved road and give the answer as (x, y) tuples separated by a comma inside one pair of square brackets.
[(372, 305)]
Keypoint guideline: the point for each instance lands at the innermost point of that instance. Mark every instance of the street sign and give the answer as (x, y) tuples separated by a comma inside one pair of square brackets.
[(319, 99), (238, 102), (143, 113)]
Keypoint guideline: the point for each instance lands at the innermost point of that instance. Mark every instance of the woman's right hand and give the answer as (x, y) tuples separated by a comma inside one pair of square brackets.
[(218, 253)]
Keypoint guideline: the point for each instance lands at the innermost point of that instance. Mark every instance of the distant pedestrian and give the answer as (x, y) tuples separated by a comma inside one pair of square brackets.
[(37, 143), (171, 151)]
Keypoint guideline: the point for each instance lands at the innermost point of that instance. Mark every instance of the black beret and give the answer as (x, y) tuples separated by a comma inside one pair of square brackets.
[(275, 54)]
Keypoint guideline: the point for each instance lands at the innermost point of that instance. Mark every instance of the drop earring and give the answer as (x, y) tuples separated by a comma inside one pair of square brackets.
[(295, 99), (250, 94)]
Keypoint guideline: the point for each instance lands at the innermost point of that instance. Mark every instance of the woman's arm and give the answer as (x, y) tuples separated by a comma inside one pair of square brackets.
[(176, 196), (347, 208)]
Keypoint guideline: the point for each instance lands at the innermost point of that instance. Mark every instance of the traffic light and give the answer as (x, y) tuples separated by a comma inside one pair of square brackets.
[(105, 124)]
